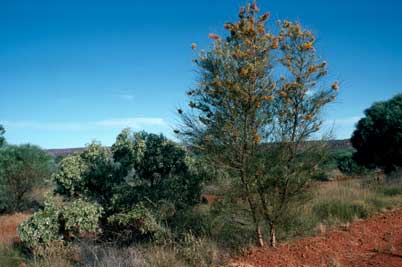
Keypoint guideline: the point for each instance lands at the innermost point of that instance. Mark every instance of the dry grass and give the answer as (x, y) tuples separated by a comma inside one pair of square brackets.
[(346, 190), (8, 227)]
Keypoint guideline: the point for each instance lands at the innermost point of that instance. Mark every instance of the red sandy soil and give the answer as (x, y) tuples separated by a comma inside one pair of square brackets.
[(373, 242), (8, 227)]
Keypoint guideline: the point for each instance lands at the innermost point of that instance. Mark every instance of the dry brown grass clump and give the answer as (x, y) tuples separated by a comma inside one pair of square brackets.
[(8, 227)]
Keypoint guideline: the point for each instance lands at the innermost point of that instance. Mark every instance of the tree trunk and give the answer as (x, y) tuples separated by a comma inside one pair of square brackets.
[(273, 235), (259, 236)]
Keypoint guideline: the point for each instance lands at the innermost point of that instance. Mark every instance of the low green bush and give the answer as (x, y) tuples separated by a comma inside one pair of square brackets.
[(196, 220), (392, 190), (59, 221), (341, 211), (9, 256)]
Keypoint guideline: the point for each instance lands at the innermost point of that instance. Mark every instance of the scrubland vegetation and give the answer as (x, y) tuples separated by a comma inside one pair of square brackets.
[(245, 172)]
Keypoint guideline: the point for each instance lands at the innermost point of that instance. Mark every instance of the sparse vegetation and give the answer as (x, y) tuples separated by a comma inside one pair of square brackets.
[(247, 170)]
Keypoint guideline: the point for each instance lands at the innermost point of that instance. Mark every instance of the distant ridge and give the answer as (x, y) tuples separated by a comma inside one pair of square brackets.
[(64, 151), (333, 144)]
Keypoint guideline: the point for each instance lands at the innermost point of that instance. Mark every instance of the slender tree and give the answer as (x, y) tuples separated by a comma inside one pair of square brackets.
[(300, 95), (253, 124), (231, 104)]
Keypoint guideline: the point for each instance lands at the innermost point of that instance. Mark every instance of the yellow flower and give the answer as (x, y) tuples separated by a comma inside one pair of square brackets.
[(309, 117), (307, 46)]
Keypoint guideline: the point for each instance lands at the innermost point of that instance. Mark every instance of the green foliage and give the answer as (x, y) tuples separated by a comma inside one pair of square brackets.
[(133, 189), (343, 211), (154, 169), (346, 163), (22, 168), (9, 256), (137, 223), (60, 220), (89, 175), (42, 228), (378, 136), (2, 139), (80, 217), (199, 252), (196, 220), (68, 179), (259, 94)]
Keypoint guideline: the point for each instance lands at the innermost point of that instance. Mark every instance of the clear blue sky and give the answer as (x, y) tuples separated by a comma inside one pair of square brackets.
[(74, 71)]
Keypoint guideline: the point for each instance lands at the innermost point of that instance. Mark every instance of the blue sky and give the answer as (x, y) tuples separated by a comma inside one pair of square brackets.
[(73, 71)]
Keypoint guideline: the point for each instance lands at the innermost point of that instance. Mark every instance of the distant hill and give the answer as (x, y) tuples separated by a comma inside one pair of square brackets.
[(64, 151), (333, 144)]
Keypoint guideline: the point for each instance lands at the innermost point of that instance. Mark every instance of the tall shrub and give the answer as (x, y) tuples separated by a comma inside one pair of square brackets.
[(258, 94)]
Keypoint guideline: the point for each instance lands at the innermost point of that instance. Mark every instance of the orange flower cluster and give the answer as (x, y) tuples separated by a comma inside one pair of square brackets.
[(275, 44), (268, 98), (243, 72), (335, 86), (308, 117), (256, 138), (283, 94), (214, 36), (307, 46)]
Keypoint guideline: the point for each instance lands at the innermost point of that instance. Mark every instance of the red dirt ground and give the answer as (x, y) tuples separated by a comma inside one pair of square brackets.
[(8, 227), (373, 242)]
